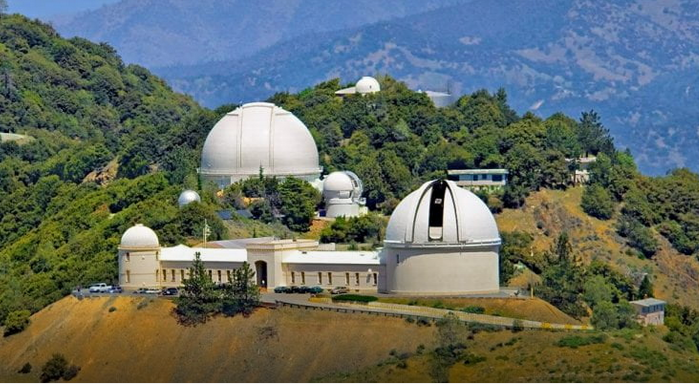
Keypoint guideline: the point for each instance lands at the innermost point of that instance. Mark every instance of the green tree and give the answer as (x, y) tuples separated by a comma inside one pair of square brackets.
[(597, 202), (54, 368), (605, 316), (298, 201), (597, 291), (16, 321), (198, 299), (243, 296), (645, 290)]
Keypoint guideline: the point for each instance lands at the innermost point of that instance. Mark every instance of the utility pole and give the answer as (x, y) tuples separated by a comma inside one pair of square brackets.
[(206, 231)]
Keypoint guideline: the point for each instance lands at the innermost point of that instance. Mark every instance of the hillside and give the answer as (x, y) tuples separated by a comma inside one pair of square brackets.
[(185, 32), (137, 343), (547, 213), (632, 61)]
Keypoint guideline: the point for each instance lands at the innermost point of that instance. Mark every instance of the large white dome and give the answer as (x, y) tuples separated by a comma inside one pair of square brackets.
[(259, 135), (441, 213), (367, 84), (139, 237)]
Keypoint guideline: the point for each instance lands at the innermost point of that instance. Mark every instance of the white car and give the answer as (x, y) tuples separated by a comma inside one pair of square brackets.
[(101, 288)]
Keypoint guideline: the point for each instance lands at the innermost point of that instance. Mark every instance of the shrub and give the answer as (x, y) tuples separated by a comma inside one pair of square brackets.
[(423, 322), (112, 309), (471, 359), (355, 298), (575, 341), (54, 368), (71, 372), (474, 309), (597, 202), (16, 322), (517, 326), (26, 368)]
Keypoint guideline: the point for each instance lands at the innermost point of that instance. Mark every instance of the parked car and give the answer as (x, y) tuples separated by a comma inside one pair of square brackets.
[(100, 288), (338, 290), (315, 290), (282, 290), (170, 291), (304, 289), (152, 291), (294, 289), (140, 291), (116, 289)]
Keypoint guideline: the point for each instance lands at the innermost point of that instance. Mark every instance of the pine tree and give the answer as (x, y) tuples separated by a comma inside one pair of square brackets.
[(646, 288), (242, 295), (198, 299)]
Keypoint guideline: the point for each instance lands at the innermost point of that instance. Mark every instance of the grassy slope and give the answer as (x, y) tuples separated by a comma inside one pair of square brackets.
[(147, 344), (534, 356), (675, 276)]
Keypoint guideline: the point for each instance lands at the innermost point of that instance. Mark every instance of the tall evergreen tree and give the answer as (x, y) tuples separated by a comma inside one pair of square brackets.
[(646, 288), (242, 295), (198, 299)]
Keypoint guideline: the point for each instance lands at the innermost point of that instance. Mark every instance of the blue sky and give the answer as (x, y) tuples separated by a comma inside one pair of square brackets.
[(44, 8)]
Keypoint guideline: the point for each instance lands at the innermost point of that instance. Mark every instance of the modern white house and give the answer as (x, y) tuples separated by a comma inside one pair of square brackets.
[(440, 240), (582, 174), (479, 179)]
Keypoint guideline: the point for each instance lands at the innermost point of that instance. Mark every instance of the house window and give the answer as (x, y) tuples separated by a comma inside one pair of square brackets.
[(211, 275), (293, 277), (173, 275), (397, 259), (320, 278), (303, 278), (347, 278), (375, 278), (219, 275), (156, 275), (356, 278), (497, 177), (164, 275), (330, 278), (156, 255), (228, 274), (128, 276), (181, 274), (128, 257)]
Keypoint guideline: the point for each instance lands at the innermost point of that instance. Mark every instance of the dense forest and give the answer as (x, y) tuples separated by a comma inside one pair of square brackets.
[(113, 145)]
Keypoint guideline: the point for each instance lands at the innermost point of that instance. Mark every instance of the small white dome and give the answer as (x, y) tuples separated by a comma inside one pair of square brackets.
[(367, 84), (260, 135), (138, 237), (440, 212), (338, 181), (187, 197)]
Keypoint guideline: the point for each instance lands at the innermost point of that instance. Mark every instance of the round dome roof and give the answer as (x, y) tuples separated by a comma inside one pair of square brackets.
[(139, 236), (440, 212), (339, 181), (367, 84), (259, 135), (187, 197)]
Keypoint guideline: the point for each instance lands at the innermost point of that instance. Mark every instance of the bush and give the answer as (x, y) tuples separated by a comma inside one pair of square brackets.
[(471, 359), (474, 309), (517, 326), (71, 372), (26, 368), (112, 309), (16, 322), (355, 298), (575, 341), (54, 368), (597, 202), (638, 236)]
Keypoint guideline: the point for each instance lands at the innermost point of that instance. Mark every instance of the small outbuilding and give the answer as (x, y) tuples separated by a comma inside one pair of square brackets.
[(649, 311)]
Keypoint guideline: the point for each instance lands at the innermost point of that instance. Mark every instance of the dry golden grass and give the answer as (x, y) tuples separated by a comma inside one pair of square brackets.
[(547, 213), (147, 344)]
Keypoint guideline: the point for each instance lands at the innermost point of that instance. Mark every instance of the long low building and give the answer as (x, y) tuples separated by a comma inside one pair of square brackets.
[(440, 240)]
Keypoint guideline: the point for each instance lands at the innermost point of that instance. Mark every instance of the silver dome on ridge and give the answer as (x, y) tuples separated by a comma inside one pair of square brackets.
[(188, 196)]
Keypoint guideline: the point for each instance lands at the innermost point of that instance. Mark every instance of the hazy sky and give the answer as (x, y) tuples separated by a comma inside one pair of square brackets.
[(45, 8)]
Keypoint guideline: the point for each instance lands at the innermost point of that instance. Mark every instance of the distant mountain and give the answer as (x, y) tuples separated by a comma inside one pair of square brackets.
[(167, 32), (636, 62)]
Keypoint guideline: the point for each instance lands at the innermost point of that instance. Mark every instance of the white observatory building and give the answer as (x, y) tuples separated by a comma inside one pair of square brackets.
[(188, 196), (254, 136), (342, 193), (364, 86), (441, 240)]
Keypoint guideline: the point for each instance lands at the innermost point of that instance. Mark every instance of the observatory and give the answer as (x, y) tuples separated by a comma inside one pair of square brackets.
[(441, 240), (365, 85), (188, 196), (258, 136), (342, 192)]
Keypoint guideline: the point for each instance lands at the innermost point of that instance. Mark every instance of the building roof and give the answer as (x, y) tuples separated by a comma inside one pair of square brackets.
[(648, 302), (241, 243), (347, 91), (495, 171), (139, 237), (259, 135), (465, 219), (208, 255), (332, 257), (367, 84)]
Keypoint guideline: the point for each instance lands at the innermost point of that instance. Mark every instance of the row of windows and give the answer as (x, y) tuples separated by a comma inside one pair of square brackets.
[(326, 278)]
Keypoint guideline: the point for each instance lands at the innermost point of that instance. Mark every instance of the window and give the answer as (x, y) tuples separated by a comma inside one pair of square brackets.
[(320, 278), (303, 277), (293, 277), (128, 276), (211, 274), (375, 278), (128, 257), (219, 275), (330, 278), (156, 255), (497, 177), (156, 275), (356, 278), (228, 274), (347, 278), (164, 275), (173, 275), (181, 274), (397, 259)]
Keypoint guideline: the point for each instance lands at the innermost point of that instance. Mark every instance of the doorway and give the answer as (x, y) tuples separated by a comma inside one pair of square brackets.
[(261, 273)]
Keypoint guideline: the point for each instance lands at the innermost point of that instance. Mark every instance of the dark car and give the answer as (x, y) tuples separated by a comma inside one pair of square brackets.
[(304, 289), (294, 289), (116, 289), (315, 290), (282, 290), (170, 292)]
